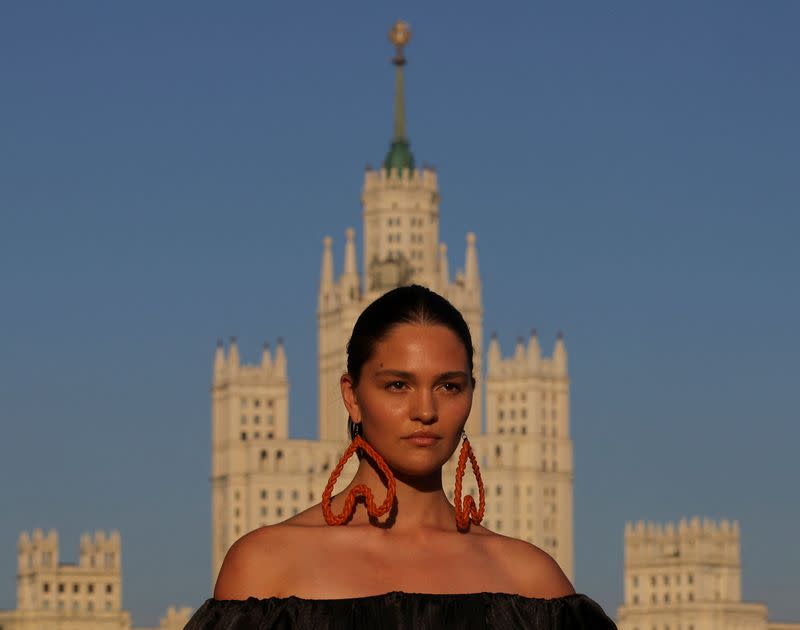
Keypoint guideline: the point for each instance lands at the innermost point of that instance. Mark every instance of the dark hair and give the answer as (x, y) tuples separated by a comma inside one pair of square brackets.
[(413, 304)]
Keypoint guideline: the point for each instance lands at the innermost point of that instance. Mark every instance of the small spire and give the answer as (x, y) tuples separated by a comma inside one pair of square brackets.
[(560, 354), (219, 360), (471, 275), (350, 252), (266, 357), (534, 350), (233, 354), (493, 358), (326, 273), (280, 359), (444, 267)]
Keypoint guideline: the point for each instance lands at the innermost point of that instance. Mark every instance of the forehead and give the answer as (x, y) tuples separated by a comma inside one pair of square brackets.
[(431, 345)]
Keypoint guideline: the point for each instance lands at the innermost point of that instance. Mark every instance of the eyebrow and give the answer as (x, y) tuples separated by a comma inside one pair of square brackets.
[(410, 377)]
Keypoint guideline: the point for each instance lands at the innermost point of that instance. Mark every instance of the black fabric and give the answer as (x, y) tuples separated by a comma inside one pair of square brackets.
[(403, 611)]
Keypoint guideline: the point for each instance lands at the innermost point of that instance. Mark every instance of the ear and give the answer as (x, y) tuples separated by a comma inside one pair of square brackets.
[(349, 397)]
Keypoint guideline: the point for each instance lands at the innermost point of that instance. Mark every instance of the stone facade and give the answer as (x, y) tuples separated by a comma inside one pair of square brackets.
[(687, 577), (54, 595), (260, 476)]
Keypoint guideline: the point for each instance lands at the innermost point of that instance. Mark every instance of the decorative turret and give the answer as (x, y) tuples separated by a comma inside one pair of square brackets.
[(560, 355), (350, 278), (219, 361), (280, 359), (399, 157), (444, 266), (534, 350), (472, 279), (494, 357), (266, 358), (326, 273), (233, 357)]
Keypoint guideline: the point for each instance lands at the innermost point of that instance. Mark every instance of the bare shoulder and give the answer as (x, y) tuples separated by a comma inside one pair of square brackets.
[(254, 565), (534, 570)]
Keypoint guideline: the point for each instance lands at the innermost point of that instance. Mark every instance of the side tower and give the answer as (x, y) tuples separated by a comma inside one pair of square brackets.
[(527, 402), (687, 576), (400, 246), (249, 409), (53, 594)]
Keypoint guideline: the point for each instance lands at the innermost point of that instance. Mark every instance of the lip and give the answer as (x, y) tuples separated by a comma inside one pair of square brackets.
[(423, 438)]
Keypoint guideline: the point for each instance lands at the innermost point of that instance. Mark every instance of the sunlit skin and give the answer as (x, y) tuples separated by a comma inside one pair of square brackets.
[(417, 378)]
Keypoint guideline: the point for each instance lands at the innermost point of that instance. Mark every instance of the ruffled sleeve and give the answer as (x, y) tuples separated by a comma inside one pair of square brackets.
[(389, 611)]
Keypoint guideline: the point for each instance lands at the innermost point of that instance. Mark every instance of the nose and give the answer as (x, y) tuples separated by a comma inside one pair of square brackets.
[(424, 408)]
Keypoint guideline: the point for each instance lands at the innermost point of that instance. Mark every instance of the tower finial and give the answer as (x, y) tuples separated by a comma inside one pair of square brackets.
[(399, 156)]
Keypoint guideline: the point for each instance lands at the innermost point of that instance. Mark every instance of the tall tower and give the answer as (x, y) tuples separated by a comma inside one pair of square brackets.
[(400, 246)]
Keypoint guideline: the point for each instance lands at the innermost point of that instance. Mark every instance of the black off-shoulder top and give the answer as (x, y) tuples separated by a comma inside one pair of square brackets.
[(406, 611)]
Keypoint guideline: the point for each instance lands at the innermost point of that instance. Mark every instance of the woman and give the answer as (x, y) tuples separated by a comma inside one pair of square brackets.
[(411, 559)]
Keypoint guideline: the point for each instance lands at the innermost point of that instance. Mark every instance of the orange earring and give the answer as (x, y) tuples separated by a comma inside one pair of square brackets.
[(361, 490), (466, 511)]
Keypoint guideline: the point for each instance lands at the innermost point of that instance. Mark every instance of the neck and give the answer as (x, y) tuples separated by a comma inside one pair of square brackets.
[(420, 501)]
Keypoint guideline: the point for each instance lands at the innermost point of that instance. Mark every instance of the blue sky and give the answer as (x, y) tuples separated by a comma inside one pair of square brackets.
[(168, 171)]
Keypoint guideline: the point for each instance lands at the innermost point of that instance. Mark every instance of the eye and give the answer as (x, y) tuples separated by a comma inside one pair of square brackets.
[(395, 385), (452, 388)]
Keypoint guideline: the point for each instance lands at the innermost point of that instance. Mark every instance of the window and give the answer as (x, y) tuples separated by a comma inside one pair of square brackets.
[(295, 495), (279, 511), (270, 403), (263, 494), (263, 456), (109, 588), (690, 577), (256, 419), (75, 606), (90, 587), (244, 436), (263, 511), (76, 588), (635, 599), (244, 419), (90, 606), (60, 588), (108, 605), (279, 495), (635, 581), (46, 587), (256, 403)]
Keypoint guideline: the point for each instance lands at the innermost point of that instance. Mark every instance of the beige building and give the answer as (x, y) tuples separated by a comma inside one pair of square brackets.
[(260, 476), (54, 595), (687, 577)]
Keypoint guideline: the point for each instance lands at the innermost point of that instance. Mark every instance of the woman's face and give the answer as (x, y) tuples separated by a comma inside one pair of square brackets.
[(417, 379)]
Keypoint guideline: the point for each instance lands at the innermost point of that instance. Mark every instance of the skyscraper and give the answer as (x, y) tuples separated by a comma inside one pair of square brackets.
[(260, 476)]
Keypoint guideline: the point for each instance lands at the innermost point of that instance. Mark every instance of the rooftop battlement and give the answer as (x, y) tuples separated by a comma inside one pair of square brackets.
[(381, 179), (527, 360), (228, 367), (693, 541)]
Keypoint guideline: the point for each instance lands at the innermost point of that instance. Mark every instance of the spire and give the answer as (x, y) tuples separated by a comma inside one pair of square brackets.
[(444, 269), (280, 359), (233, 356), (471, 277), (266, 358), (534, 350), (494, 357), (399, 156), (219, 360), (350, 252), (326, 273), (560, 354)]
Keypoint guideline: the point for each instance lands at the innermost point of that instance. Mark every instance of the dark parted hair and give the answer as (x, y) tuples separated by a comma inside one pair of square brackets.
[(412, 304)]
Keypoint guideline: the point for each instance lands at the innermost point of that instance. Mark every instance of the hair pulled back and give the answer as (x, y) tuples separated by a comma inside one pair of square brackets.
[(412, 304)]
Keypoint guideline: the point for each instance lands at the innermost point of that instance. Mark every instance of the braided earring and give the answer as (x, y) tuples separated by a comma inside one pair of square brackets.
[(466, 511), (361, 490)]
